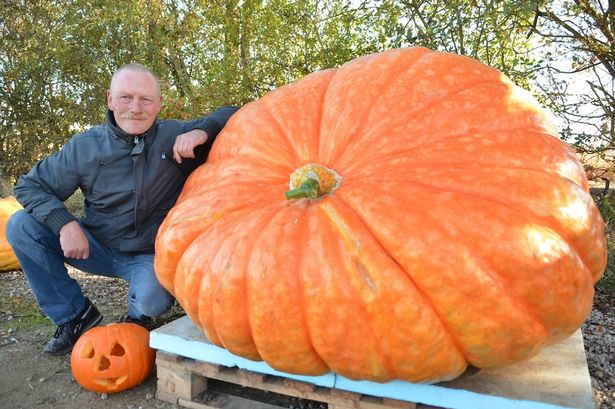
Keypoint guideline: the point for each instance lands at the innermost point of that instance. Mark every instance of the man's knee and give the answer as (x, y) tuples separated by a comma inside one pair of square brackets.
[(153, 301), (17, 227)]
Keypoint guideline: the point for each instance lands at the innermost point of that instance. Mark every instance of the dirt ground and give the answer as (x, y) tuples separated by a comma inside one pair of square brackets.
[(31, 379)]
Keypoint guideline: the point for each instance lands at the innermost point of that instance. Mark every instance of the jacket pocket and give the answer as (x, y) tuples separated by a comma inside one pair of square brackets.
[(99, 168)]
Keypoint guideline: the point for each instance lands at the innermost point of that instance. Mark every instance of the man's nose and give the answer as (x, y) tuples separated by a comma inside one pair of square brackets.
[(135, 105)]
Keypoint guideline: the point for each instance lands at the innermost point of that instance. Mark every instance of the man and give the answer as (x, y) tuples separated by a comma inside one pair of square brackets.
[(131, 171)]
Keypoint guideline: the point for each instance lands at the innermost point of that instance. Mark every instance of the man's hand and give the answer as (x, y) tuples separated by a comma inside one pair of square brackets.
[(73, 241), (186, 142)]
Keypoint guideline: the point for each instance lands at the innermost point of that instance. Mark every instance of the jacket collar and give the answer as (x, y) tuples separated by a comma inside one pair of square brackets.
[(117, 132)]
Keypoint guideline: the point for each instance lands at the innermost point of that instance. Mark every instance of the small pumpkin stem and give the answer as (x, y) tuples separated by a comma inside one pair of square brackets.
[(309, 188), (312, 181)]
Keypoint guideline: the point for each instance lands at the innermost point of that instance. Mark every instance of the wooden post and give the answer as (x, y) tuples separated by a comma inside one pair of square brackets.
[(175, 381)]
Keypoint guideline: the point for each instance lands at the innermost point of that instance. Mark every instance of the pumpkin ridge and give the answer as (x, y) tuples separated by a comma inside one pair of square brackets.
[(214, 189), (452, 335), (487, 268), (301, 283), (252, 241), (171, 273), (194, 309), (442, 98), (448, 327), (201, 216), (364, 118), (219, 150), (516, 299), (267, 105), (554, 329), (167, 274), (275, 124), (386, 359), (460, 165), (290, 299), (384, 158), (517, 209)]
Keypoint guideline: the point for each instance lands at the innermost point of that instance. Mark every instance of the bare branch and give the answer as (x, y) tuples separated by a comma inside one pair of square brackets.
[(534, 22), (588, 42), (581, 69), (600, 22)]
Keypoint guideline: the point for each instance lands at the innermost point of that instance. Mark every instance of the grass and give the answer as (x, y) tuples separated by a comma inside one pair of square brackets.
[(607, 209), (74, 204), (26, 314)]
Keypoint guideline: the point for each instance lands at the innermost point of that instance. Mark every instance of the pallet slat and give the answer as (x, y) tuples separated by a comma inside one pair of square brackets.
[(181, 379)]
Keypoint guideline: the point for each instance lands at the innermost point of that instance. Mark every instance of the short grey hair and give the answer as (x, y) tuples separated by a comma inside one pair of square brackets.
[(135, 67)]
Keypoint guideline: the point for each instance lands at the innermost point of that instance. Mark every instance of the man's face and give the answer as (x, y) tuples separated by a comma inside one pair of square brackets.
[(135, 100)]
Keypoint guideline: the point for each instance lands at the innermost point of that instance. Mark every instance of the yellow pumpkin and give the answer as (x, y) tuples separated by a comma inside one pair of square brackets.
[(8, 260)]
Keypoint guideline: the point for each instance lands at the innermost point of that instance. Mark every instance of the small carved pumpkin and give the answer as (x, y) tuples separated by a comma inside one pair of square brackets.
[(112, 358), (8, 260)]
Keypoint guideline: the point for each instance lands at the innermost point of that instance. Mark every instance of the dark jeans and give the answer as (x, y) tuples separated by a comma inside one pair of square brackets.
[(59, 296)]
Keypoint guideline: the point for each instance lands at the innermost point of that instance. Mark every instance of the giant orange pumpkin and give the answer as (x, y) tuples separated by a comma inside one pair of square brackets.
[(112, 358), (8, 260), (434, 220)]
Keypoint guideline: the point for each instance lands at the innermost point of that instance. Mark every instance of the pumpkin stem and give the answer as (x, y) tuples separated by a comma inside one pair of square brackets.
[(312, 181), (309, 188)]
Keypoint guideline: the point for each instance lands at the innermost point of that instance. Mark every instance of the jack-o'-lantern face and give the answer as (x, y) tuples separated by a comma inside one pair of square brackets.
[(112, 358)]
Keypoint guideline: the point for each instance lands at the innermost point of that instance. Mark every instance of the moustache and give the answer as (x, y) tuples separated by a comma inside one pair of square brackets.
[(133, 117)]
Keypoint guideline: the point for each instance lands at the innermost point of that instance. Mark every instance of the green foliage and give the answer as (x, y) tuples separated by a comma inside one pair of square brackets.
[(494, 32), (6, 188), (607, 209), (58, 57), (577, 79)]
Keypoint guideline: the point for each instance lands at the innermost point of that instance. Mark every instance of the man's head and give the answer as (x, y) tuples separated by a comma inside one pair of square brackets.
[(134, 97)]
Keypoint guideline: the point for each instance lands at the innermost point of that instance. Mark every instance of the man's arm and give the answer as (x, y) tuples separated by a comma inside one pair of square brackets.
[(214, 122), (186, 143), (201, 134), (42, 192)]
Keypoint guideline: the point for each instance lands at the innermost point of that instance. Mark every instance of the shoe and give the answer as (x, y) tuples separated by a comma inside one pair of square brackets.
[(145, 322), (67, 334)]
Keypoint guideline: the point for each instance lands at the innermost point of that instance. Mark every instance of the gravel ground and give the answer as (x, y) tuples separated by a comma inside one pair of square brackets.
[(29, 379), (599, 340)]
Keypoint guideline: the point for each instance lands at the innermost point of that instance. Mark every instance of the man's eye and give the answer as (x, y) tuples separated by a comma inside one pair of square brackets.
[(125, 98), (146, 101)]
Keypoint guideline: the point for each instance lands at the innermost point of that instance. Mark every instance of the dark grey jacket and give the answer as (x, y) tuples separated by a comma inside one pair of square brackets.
[(129, 183)]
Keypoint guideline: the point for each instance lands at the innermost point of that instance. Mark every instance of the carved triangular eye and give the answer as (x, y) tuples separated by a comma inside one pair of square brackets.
[(88, 351), (118, 350)]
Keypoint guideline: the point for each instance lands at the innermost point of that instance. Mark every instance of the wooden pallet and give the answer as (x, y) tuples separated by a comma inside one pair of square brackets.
[(558, 378), (181, 380)]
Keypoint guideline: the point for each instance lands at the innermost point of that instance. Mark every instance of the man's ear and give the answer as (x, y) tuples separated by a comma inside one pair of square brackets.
[(159, 105), (109, 100)]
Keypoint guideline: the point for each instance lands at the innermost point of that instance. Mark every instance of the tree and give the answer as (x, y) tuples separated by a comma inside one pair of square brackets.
[(490, 31), (57, 57), (578, 71)]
